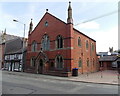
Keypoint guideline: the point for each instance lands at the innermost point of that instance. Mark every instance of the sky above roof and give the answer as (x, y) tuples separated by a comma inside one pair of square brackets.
[(103, 29)]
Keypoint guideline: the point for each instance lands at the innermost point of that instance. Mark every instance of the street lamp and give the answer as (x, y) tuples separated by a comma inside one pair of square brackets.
[(23, 42)]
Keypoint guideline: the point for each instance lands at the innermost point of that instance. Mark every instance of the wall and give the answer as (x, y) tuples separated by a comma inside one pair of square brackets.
[(70, 52), (55, 27), (83, 53)]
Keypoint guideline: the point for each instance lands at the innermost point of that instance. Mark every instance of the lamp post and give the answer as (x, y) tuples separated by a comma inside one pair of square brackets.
[(23, 43)]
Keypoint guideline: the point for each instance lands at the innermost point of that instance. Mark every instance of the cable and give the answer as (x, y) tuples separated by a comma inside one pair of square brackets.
[(98, 17)]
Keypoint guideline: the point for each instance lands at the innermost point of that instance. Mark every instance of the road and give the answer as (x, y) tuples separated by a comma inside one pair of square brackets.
[(14, 84)]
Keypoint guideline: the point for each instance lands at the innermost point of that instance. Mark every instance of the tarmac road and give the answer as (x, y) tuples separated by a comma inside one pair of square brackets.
[(15, 84)]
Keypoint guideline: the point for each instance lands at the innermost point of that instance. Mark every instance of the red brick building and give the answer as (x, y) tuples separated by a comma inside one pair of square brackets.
[(55, 47)]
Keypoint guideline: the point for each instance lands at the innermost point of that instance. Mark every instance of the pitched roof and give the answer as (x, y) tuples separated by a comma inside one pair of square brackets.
[(7, 37), (83, 34), (108, 58), (13, 46)]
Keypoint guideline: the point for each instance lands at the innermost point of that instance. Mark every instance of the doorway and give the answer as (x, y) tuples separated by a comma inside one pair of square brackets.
[(40, 69), (118, 64)]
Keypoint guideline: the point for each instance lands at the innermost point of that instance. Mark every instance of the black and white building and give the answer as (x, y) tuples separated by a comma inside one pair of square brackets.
[(14, 55)]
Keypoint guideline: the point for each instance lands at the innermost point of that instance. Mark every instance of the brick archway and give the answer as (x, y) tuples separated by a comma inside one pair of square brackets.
[(41, 60)]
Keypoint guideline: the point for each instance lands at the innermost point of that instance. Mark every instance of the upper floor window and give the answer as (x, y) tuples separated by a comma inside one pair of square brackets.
[(46, 23), (45, 42), (7, 57), (87, 45), (80, 62), (59, 41), (92, 47), (34, 46), (16, 56), (59, 62), (11, 57), (79, 41)]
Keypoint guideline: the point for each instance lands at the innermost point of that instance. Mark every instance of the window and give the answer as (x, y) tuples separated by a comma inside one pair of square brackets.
[(87, 45), (32, 62), (92, 47), (11, 57), (45, 42), (34, 46), (93, 62), (46, 23), (79, 41), (87, 62), (80, 62), (7, 57), (16, 56), (59, 42), (59, 62)]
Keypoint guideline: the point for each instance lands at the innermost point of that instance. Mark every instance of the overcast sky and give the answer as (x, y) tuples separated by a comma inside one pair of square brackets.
[(104, 30)]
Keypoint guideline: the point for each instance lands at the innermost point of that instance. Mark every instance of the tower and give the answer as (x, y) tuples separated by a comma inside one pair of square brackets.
[(69, 19), (30, 27), (70, 34)]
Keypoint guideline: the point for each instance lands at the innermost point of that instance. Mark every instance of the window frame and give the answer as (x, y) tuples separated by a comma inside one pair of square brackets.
[(46, 23), (93, 47), (59, 42), (80, 62), (34, 46), (45, 42), (87, 45), (60, 63), (79, 42)]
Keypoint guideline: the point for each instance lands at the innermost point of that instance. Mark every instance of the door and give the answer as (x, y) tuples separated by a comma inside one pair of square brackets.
[(118, 64), (40, 69), (11, 65)]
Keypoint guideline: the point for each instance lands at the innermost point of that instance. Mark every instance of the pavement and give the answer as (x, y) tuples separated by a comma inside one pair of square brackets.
[(109, 77)]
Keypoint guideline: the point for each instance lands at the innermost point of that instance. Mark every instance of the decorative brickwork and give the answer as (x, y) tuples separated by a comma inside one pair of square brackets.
[(70, 52)]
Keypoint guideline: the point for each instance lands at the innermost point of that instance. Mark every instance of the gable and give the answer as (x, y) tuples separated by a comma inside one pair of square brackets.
[(51, 20)]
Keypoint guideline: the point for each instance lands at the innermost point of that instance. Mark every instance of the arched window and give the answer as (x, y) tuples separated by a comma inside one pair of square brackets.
[(59, 41), (34, 46), (79, 41), (87, 62), (59, 62), (32, 62), (80, 62), (93, 62), (46, 23), (92, 47), (45, 43), (87, 45)]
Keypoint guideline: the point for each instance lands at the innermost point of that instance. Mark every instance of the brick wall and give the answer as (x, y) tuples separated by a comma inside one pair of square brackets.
[(70, 51)]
